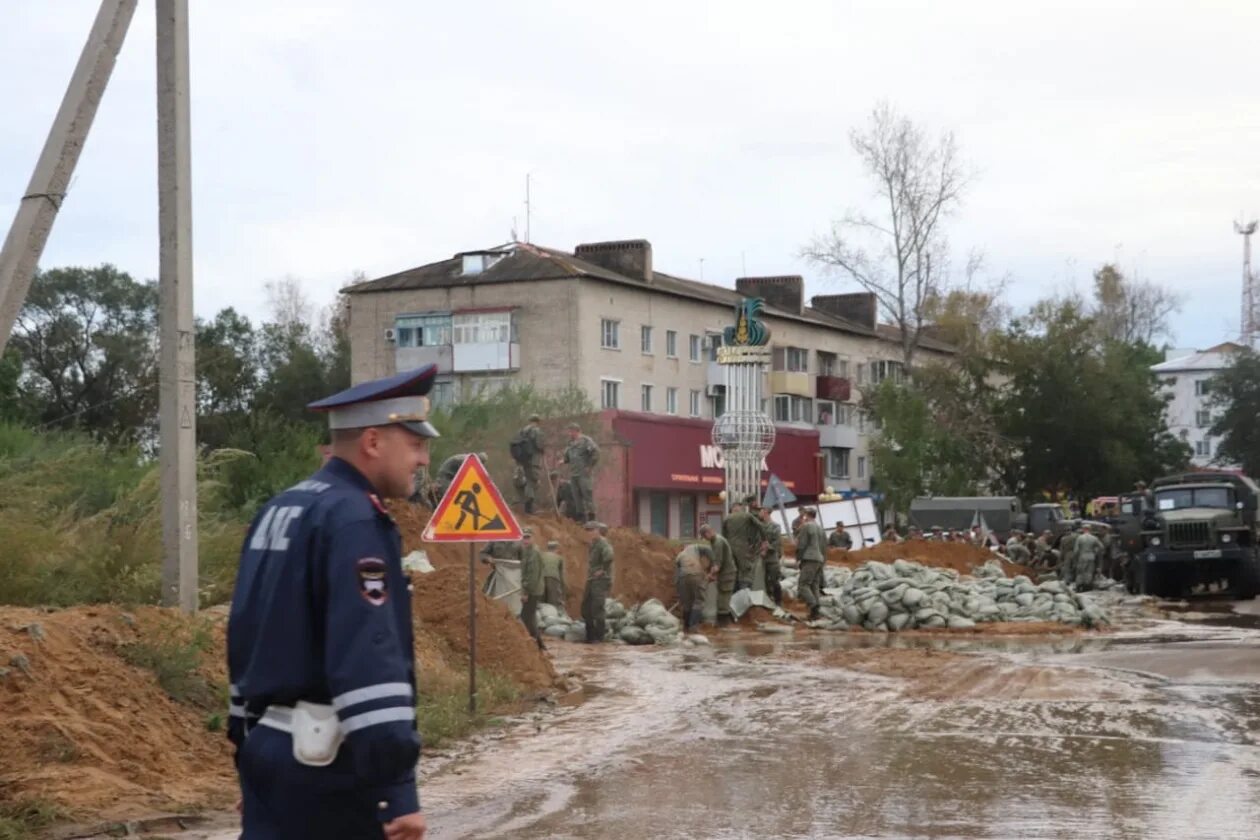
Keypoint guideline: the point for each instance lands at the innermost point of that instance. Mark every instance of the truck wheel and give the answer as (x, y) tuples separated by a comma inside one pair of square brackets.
[(1130, 576), (1249, 585)]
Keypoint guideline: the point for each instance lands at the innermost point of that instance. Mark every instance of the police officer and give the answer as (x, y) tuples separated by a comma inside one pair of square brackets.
[(532, 586), (598, 581), (582, 454), (320, 649), (553, 576)]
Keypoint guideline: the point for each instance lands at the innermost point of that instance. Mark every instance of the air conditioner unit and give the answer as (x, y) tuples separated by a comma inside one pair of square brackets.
[(390, 334), (714, 390)]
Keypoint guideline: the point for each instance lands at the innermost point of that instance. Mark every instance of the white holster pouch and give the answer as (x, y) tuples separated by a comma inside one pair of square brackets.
[(316, 734)]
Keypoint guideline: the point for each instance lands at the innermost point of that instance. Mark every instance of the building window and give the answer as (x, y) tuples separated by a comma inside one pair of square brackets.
[(793, 409), (695, 404), (671, 344), (862, 421), (826, 412), (826, 364), (481, 328), (881, 370), (715, 343), (838, 462), (687, 516), (671, 400), (845, 413), (646, 397), (718, 405), (645, 339), (659, 513), (1202, 387), (1203, 419), (609, 334), (693, 348), (842, 368), (425, 330), (794, 359), (1203, 448), (861, 466), (609, 393), (443, 393)]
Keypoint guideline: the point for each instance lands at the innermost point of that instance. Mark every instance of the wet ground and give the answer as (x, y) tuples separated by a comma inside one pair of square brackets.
[(1150, 731)]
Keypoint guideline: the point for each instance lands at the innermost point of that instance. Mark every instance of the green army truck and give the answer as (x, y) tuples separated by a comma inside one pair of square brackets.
[(1199, 538), (1000, 514)]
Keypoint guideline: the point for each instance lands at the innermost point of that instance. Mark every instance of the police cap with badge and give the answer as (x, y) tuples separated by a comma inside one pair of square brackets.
[(397, 400)]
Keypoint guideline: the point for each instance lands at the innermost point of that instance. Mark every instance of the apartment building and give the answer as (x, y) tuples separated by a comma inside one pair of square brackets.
[(639, 342), (1186, 376)]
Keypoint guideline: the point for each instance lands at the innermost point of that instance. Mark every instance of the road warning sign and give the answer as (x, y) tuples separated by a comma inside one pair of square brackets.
[(472, 510)]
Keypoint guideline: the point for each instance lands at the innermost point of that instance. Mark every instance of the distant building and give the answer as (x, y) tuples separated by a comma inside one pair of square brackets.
[(1187, 375), (643, 346)]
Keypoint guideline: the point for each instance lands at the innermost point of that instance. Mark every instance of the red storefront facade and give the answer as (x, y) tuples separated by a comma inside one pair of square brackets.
[(663, 474)]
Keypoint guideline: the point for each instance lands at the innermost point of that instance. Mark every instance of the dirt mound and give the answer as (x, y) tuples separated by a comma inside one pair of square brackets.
[(89, 731), (643, 567), (963, 558)]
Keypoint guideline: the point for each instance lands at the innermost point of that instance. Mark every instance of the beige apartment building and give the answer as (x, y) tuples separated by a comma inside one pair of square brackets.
[(633, 338)]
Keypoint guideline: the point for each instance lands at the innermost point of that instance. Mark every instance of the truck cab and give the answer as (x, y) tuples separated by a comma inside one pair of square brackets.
[(1198, 538)]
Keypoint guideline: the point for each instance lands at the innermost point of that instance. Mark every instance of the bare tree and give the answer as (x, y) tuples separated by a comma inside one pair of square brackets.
[(1131, 311), (900, 256), (288, 302)]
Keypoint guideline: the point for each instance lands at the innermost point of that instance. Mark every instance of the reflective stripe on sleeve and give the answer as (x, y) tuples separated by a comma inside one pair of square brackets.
[(357, 722), (236, 710), (372, 692)]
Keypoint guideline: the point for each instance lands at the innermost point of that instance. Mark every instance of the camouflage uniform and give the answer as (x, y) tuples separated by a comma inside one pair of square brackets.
[(840, 539), (772, 536), (526, 479), (693, 564), (532, 588), (599, 569), (1067, 557), (744, 533), (1088, 552), (727, 574), (553, 578), (811, 553), (582, 454)]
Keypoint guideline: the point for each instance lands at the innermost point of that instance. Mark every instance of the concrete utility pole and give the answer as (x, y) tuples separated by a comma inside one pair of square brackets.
[(36, 212), (1250, 305), (177, 395)]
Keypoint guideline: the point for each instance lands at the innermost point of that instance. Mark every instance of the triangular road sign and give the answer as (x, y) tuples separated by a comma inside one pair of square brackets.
[(777, 493), (472, 510)]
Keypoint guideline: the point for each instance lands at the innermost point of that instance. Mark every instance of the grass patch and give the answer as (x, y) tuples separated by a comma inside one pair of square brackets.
[(442, 712), (20, 820), (175, 654)]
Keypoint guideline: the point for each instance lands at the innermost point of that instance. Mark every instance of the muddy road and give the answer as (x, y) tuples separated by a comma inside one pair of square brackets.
[(1150, 731)]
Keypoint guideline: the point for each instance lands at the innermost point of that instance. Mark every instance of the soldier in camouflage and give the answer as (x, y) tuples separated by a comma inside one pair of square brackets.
[(771, 554), (553, 576), (582, 455), (527, 451), (811, 554), (599, 572), (744, 533), (532, 586), (1088, 552), (726, 572)]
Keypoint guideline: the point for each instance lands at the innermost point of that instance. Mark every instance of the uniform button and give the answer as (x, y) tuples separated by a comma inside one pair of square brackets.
[(382, 805), (411, 587)]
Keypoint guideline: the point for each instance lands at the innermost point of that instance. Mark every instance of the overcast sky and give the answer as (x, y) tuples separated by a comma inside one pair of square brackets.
[(332, 137)]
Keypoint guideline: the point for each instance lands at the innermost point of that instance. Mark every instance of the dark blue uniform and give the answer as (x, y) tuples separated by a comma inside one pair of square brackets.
[(322, 613)]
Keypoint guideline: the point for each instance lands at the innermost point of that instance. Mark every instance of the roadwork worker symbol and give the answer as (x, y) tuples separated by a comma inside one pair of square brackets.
[(472, 510)]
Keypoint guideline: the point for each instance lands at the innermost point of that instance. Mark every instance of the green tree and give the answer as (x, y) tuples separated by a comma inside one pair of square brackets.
[(86, 340), (1236, 392), (1085, 415)]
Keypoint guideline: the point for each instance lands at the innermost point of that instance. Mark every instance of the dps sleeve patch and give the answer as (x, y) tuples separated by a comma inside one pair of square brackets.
[(373, 584)]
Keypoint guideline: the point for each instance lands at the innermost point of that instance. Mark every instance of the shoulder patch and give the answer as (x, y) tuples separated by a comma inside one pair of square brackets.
[(373, 580), (377, 503)]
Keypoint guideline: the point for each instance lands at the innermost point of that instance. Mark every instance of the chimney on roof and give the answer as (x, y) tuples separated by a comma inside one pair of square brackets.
[(859, 307), (786, 292), (628, 257)]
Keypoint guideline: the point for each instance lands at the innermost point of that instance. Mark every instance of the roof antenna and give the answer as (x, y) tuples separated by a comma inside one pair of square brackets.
[(702, 269), (527, 206), (514, 239)]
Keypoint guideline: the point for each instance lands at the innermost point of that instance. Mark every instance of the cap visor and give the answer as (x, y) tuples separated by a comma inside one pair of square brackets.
[(423, 428)]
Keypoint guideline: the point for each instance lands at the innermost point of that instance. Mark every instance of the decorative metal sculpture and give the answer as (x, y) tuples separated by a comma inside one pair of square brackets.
[(744, 433)]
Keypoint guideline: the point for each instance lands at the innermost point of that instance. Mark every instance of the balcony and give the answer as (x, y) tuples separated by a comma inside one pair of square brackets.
[(796, 383), (835, 388), (410, 358), (483, 357), (845, 437)]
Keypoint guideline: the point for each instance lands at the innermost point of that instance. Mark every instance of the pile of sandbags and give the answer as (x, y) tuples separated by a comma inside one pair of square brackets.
[(904, 596), (645, 624)]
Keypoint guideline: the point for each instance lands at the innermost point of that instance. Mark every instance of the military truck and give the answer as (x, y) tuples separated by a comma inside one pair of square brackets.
[(1001, 515), (1199, 538)]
